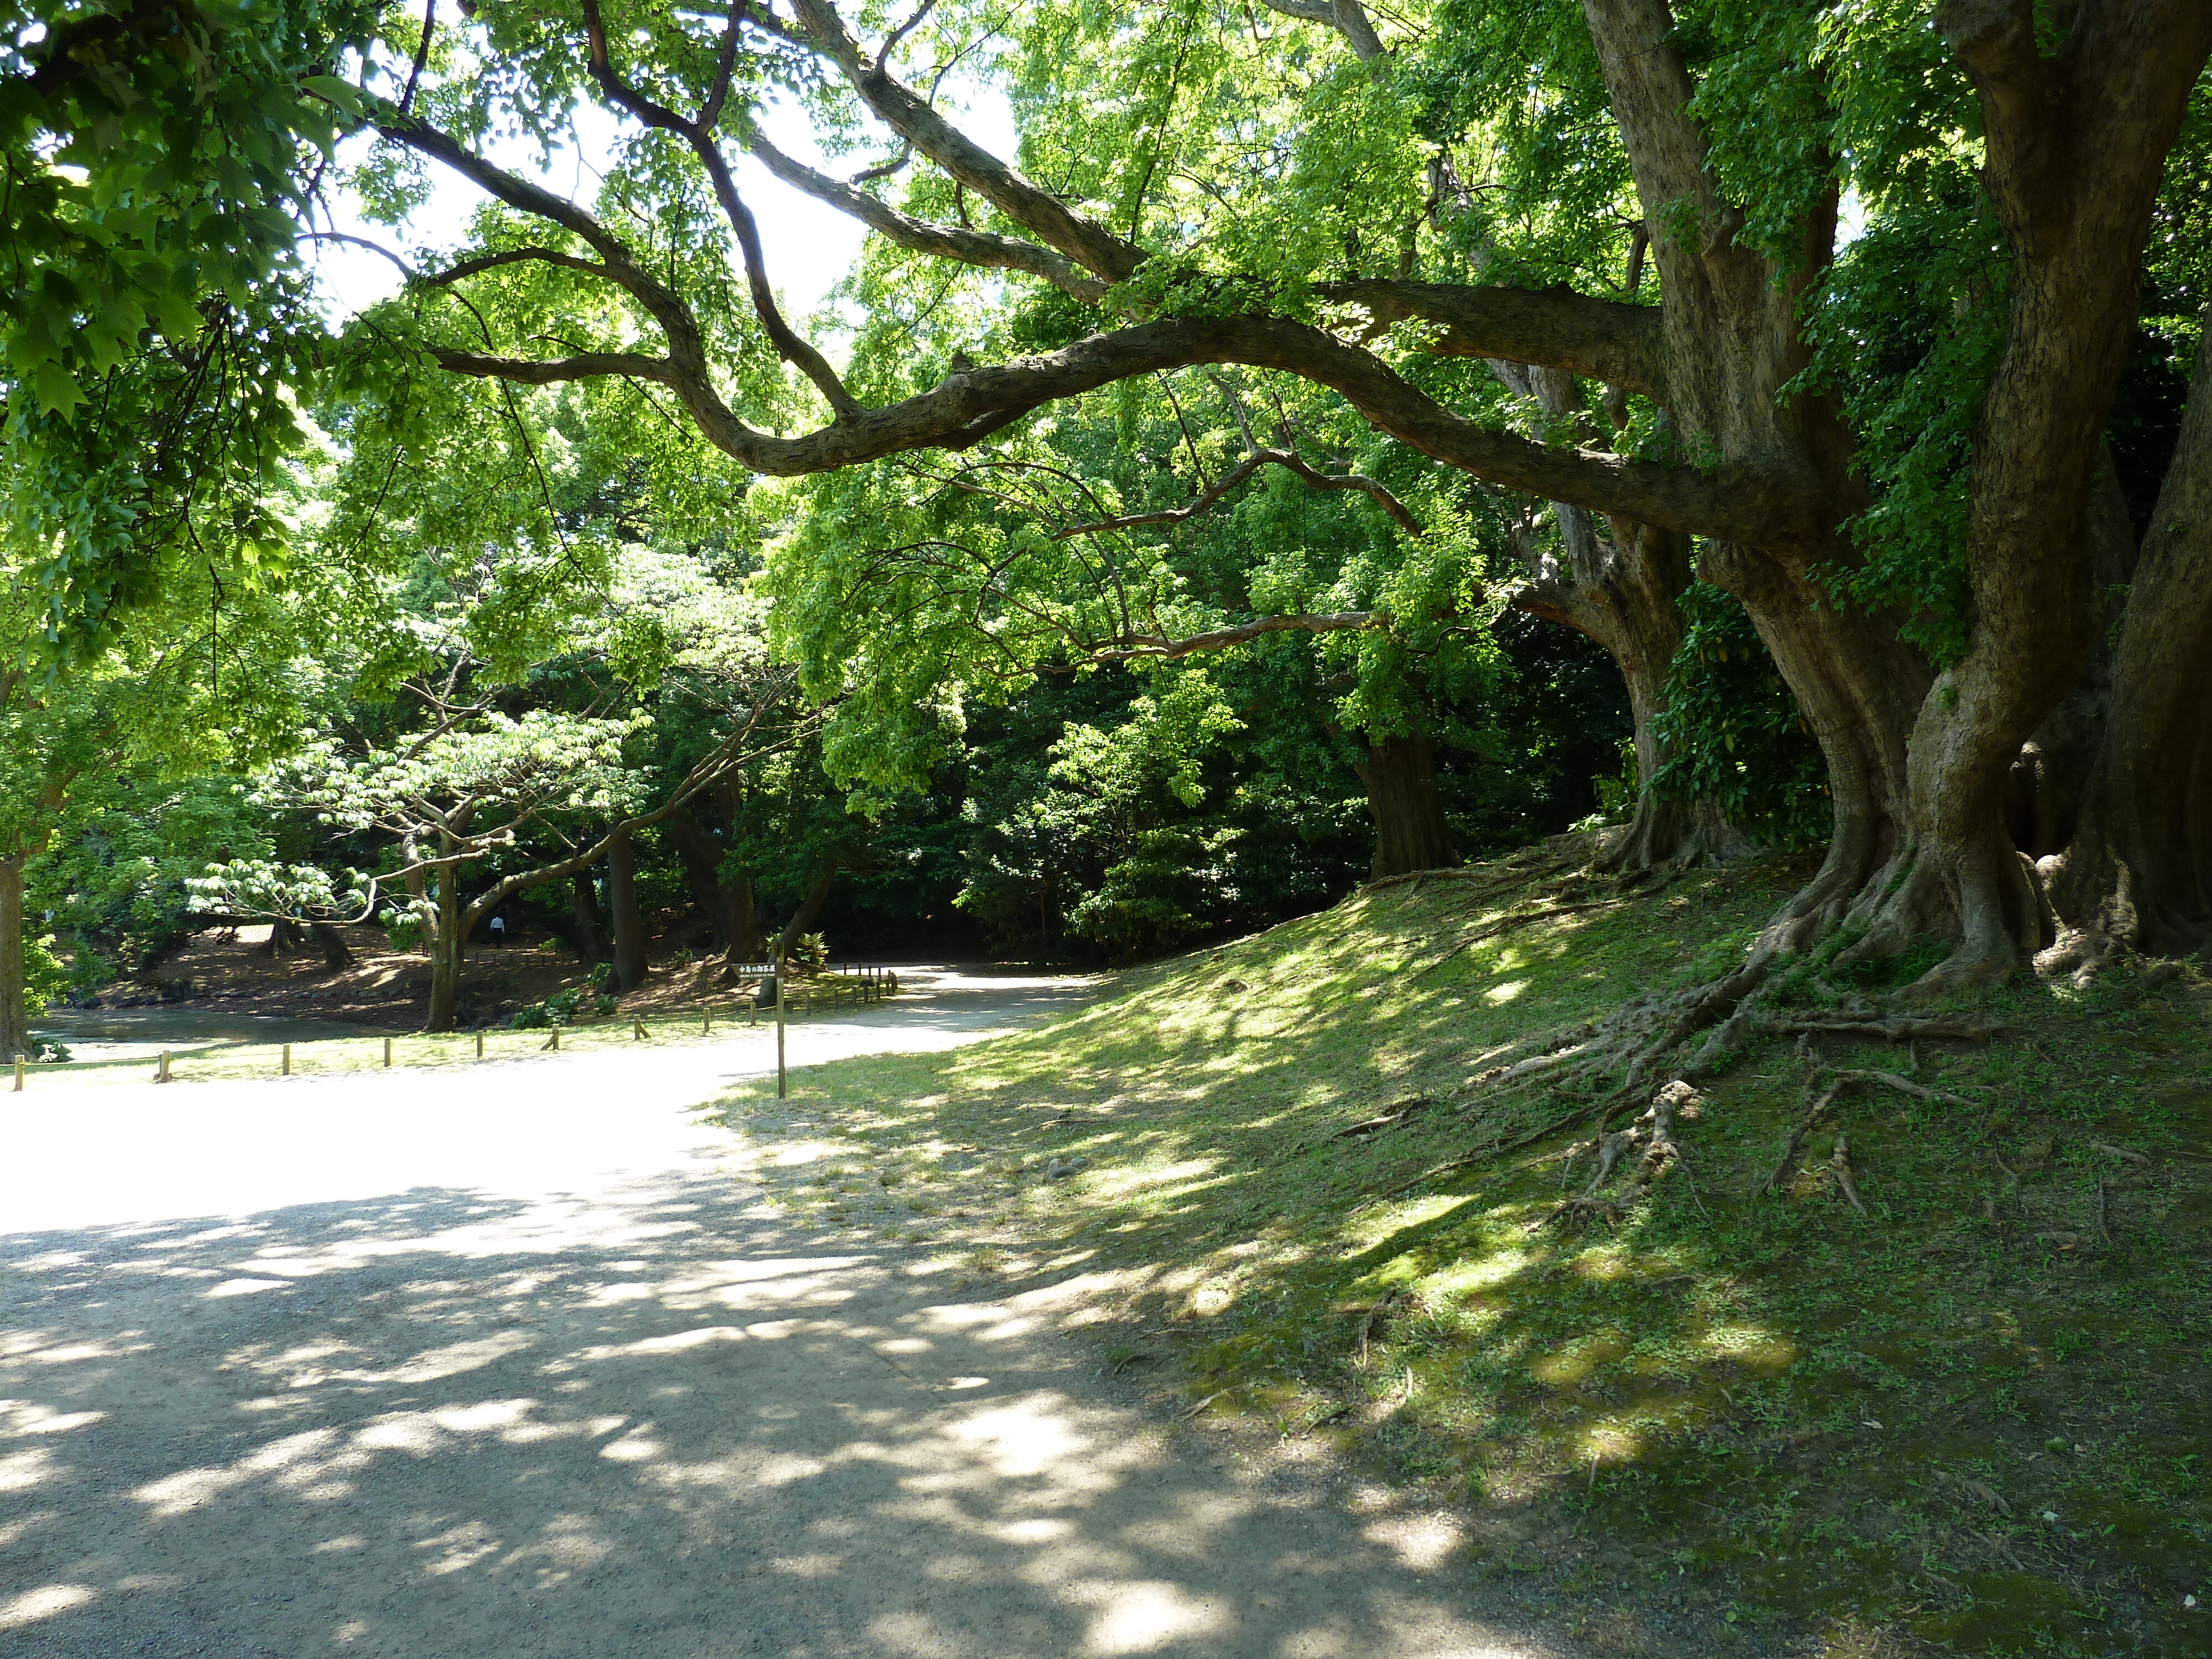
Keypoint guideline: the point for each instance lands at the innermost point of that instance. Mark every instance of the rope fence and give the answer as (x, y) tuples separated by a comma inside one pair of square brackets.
[(856, 985)]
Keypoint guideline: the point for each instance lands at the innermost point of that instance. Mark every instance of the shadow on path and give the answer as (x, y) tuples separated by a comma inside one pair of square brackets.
[(644, 1417)]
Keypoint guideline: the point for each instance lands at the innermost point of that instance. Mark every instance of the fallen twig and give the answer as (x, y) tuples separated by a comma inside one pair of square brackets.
[(1367, 1325), (2106, 1146)]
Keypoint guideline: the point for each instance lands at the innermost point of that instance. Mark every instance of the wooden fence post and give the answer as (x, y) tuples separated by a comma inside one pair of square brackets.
[(286, 1070), (163, 1076), (19, 1074), (387, 1053), (479, 1045)]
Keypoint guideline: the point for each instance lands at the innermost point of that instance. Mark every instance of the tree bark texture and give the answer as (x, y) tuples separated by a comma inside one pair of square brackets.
[(14, 1013), (1410, 832), (622, 907)]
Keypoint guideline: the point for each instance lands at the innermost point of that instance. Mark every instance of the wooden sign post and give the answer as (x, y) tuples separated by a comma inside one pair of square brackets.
[(782, 1083)]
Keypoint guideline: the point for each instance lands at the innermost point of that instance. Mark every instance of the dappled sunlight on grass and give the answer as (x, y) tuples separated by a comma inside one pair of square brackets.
[(1698, 1384)]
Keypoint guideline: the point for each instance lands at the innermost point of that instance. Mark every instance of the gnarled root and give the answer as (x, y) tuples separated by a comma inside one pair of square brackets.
[(1654, 1132)]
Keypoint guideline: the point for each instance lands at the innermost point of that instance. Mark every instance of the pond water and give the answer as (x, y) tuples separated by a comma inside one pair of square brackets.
[(113, 1034)]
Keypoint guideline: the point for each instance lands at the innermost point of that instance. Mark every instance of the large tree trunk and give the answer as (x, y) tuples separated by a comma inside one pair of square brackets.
[(2138, 870), (622, 904), (1410, 832), (1730, 344), (336, 953), (14, 1014), (2076, 140)]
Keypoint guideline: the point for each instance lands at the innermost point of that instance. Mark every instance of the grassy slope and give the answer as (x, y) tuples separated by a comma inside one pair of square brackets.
[(1963, 1420)]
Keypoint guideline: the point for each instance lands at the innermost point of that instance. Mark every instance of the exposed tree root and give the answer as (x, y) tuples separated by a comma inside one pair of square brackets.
[(1899, 1028), (1510, 878), (1805, 1127), (1841, 1164), (1519, 919), (1654, 1132)]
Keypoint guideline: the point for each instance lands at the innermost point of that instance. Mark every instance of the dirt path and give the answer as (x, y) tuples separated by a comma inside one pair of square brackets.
[(513, 1362)]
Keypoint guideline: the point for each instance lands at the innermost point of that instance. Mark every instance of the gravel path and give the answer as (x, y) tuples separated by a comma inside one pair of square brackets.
[(513, 1361)]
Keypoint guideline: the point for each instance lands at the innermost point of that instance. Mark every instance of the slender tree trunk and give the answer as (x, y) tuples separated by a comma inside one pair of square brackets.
[(818, 895), (622, 904), (1410, 832), (1624, 596), (745, 920), (14, 1013)]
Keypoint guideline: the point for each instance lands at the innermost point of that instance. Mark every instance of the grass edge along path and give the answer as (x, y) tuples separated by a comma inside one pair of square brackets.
[(1968, 1416)]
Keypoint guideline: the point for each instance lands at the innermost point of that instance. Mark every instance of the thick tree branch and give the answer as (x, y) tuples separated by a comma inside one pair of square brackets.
[(1600, 339), (1288, 459), (584, 366), (957, 243), (1347, 17), (1026, 203)]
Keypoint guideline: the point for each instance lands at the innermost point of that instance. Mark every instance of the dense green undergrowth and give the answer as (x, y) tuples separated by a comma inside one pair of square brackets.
[(1972, 1418)]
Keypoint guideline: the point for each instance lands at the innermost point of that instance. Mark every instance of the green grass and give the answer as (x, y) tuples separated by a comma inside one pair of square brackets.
[(1773, 1416)]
